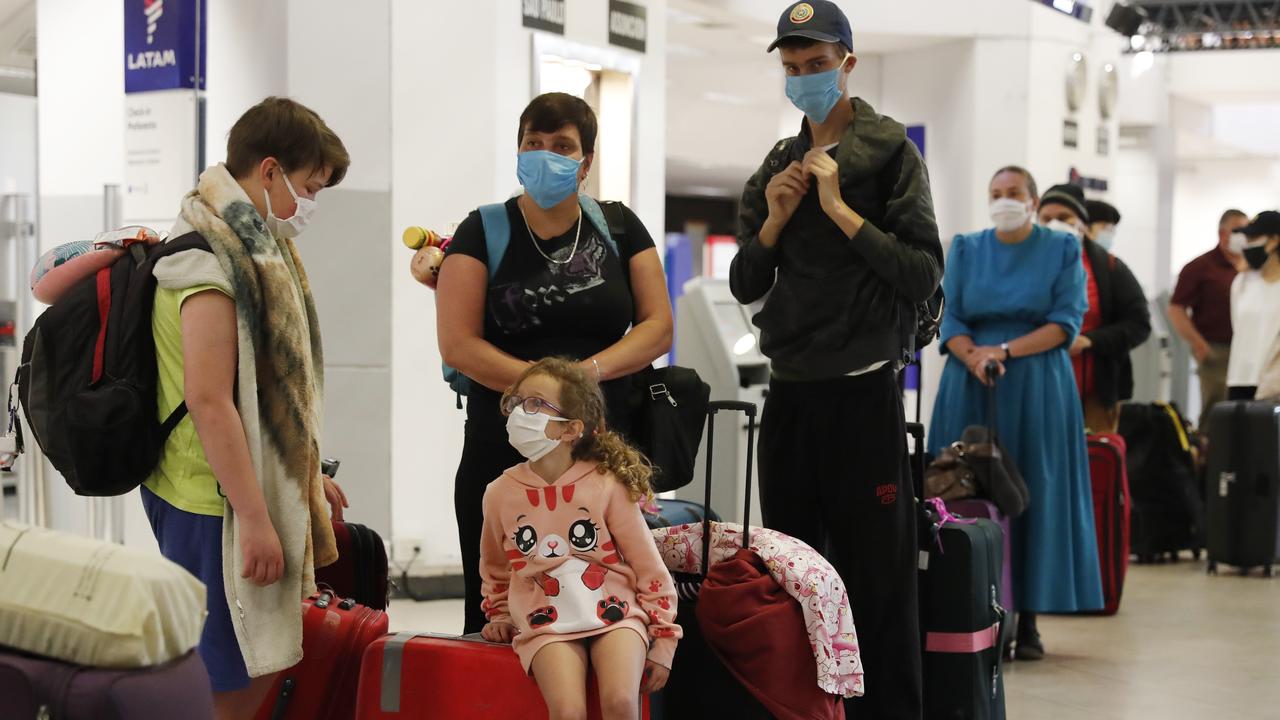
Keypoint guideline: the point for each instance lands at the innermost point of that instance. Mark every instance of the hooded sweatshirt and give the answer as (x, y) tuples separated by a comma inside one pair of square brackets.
[(838, 304), (573, 559)]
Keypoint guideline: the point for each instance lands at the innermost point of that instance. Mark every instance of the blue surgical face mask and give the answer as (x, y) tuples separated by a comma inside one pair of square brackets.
[(816, 95), (549, 178)]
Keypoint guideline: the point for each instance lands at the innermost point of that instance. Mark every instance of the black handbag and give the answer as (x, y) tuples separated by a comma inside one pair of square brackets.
[(668, 411)]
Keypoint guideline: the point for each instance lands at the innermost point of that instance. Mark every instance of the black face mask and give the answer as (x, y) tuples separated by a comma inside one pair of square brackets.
[(1256, 256)]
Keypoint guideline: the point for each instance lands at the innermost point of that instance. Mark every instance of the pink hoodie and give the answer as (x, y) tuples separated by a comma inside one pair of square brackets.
[(573, 559)]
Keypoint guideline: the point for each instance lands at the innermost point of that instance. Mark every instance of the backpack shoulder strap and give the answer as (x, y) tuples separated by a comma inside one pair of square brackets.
[(497, 234), (187, 241), (599, 216)]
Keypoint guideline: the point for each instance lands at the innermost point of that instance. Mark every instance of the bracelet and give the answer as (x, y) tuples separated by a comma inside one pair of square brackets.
[(596, 363)]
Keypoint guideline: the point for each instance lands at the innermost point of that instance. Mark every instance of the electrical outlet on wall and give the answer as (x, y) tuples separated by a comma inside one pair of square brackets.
[(403, 550)]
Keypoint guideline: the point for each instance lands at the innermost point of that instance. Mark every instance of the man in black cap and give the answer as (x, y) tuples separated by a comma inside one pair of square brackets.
[(837, 228)]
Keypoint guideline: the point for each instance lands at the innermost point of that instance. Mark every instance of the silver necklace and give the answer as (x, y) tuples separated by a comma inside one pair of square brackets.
[(576, 236)]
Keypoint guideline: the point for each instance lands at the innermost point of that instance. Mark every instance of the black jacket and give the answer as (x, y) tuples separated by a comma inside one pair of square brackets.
[(838, 304), (1126, 324)]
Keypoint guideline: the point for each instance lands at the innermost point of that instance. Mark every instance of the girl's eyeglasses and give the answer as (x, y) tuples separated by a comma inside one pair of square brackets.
[(531, 406)]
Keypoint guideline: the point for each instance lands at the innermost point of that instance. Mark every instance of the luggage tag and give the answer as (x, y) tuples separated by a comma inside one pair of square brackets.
[(11, 441)]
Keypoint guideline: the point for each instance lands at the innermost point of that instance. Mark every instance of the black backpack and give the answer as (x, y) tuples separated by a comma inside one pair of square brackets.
[(88, 376)]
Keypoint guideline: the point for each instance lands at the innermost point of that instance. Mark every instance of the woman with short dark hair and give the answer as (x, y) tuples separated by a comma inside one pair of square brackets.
[(573, 279)]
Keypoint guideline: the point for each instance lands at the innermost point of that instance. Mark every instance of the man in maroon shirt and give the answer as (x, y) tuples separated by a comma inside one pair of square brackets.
[(1200, 309)]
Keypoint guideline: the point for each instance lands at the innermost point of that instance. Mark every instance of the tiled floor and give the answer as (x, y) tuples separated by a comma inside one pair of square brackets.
[(1185, 646)]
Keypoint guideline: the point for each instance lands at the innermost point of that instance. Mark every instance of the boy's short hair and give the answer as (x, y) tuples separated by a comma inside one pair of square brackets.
[(1019, 170), (549, 112), (290, 132), (804, 43)]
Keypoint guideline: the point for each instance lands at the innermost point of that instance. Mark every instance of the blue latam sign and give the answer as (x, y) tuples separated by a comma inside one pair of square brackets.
[(164, 44)]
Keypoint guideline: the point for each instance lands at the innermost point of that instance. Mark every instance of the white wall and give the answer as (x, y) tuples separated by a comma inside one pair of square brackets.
[(453, 133), (17, 144), (81, 148), (1137, 196), (247, 61)]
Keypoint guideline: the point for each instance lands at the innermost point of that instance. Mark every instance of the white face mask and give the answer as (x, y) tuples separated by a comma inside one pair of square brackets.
[(1063, 227), (1106, 238), (528, 433), (1009, 214), (1238, 242), (291, 227)]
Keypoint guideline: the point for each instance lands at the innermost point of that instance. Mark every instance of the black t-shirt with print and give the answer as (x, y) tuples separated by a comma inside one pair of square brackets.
[(535, 308)]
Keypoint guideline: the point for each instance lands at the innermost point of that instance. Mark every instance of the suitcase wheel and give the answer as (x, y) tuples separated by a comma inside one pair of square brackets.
[(1212, 569)]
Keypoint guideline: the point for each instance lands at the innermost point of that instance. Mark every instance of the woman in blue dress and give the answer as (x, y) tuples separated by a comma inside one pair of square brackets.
[(1016, 297)]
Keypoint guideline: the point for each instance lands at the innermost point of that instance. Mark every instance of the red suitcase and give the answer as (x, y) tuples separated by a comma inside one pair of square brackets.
[(360, 572), (335, 634), (1111, 502), (421, 675)]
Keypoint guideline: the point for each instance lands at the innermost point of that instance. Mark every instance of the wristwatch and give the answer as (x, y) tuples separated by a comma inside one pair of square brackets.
[(1008, 354)]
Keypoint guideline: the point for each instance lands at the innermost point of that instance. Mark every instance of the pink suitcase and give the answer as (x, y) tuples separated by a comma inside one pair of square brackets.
[(418, 675)]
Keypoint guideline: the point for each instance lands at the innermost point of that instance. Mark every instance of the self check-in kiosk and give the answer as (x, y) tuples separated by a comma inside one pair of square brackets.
[(715, 337)]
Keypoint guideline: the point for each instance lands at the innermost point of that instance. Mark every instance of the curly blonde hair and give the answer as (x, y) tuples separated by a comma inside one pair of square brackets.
[(581, 399)]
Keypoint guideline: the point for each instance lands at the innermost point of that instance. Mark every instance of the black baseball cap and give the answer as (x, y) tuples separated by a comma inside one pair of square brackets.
[(819, 20), (1267, 223)]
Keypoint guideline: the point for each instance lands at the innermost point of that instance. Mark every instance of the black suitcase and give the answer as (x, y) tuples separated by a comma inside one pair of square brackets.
[(1167, 512), (961, 620), (700, 686), (1243, 493)]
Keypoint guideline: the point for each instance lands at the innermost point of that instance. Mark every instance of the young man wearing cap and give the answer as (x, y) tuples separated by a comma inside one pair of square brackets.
[(837, 228), (1200, 309), (1255, 297)]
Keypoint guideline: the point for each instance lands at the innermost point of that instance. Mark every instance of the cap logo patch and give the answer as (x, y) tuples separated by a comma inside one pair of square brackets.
[(802, 13)]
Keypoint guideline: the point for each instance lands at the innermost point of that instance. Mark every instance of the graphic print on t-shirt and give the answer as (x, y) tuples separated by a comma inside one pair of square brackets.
[(516, 307)]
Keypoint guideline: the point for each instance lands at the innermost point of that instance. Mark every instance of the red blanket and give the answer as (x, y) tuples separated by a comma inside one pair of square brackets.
[(758, 631)]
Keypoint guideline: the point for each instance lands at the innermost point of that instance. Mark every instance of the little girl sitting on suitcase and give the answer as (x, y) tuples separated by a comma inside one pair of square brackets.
[(572, 577)]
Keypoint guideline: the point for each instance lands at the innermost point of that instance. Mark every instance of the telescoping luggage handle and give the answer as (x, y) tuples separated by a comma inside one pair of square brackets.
[(748, 409), (992, 371)]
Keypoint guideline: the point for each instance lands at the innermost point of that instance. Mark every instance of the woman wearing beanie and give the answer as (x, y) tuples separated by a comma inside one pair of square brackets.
[(1117, 320)]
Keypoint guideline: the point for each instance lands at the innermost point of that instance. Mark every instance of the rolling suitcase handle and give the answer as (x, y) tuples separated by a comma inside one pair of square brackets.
[(992, 372), (714, 407)]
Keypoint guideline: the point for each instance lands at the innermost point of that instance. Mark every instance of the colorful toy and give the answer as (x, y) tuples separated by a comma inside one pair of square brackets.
[(430, 248), (60, 268)]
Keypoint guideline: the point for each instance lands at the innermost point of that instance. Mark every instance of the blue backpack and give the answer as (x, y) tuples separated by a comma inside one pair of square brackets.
[(497, 236)]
